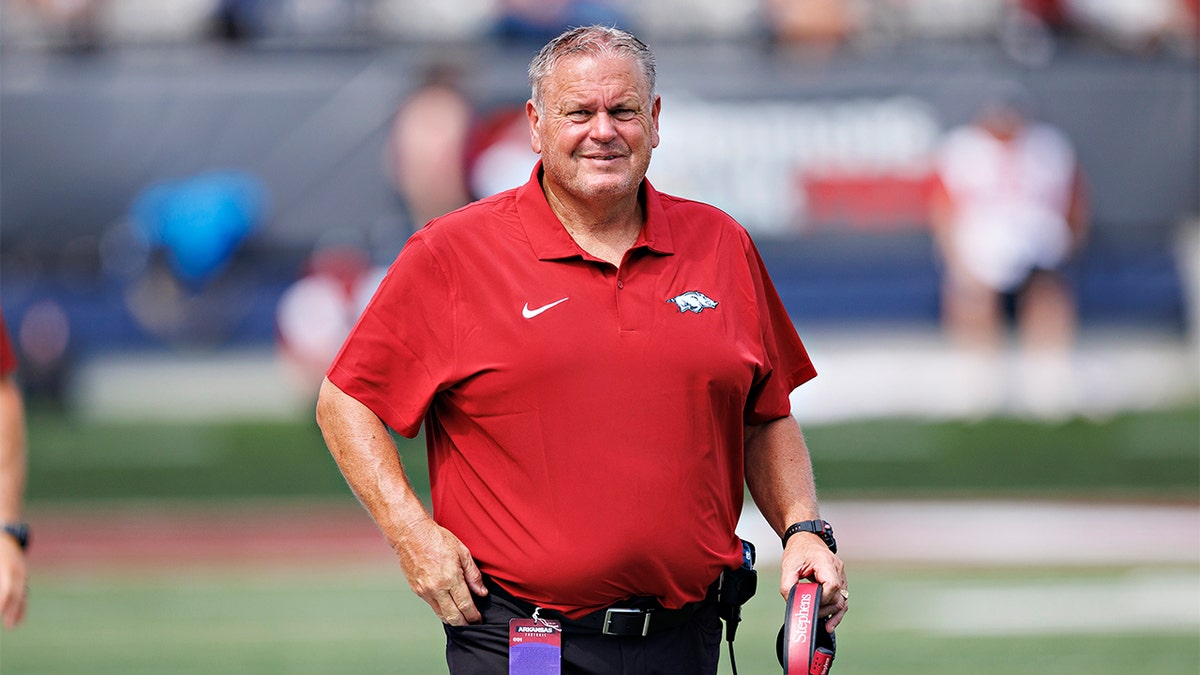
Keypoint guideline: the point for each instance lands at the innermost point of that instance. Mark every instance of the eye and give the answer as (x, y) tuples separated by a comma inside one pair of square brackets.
[(623, 114), (579, 115)]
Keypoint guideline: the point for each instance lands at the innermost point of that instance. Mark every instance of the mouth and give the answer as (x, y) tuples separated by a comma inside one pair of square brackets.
[(604, 161), (604, 156)]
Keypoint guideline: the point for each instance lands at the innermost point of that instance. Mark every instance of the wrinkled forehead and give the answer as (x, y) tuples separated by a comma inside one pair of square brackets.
[(591, 43), (589, 74)]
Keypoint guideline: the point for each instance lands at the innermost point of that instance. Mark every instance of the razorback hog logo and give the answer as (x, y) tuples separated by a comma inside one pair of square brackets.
[(693, 301)]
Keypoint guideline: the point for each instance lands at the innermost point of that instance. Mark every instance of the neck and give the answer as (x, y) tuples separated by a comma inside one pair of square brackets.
[(605, 230)]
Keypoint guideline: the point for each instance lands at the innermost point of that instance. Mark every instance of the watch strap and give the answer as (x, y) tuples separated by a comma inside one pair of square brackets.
[(18, 531), (818, 527)]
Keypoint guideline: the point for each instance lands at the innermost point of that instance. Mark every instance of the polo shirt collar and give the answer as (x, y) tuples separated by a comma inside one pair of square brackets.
[(550, 240)]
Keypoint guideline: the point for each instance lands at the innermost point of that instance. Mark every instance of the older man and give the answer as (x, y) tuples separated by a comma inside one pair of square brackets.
[(600, 369)]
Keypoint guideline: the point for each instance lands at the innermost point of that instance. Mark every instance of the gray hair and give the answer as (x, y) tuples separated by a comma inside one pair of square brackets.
[(589, 40)]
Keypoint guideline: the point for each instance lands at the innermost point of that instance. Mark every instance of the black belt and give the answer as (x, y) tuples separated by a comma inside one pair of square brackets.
[(615, 620)]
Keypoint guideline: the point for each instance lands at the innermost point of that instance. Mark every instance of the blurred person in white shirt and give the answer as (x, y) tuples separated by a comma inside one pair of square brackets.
[(1010, 213)]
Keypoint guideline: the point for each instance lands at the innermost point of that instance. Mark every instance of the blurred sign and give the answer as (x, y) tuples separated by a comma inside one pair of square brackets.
[(788, 166)]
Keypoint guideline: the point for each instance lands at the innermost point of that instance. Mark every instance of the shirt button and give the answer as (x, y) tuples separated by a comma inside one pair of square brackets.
[(620, 284)]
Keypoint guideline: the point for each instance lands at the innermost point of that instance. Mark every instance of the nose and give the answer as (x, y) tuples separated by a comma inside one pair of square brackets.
[(604, 127)]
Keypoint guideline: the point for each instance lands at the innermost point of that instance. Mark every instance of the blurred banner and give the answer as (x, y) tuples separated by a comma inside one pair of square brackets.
[(827, 161), (778, 142)]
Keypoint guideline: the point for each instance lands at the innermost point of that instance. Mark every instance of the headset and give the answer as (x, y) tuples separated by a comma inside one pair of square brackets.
[(804, 646)]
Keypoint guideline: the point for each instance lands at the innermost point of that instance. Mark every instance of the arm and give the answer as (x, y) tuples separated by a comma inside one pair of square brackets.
[(437, 565), (942, 209), (1079, 216), (12, 491), (779, 474)]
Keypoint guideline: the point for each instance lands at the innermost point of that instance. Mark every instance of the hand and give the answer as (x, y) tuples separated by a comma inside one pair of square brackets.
[(13, 588), (440, 570), (807, 557)]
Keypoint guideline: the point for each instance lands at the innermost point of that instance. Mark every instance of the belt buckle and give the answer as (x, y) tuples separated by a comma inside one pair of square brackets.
[(608, 617)]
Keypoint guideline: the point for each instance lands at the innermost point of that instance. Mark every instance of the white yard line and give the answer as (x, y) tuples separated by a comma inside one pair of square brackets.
[(1154, 547), (1001, 533), (1142, 601)]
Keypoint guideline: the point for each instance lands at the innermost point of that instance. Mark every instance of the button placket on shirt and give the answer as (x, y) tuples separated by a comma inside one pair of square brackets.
[(625, 315)]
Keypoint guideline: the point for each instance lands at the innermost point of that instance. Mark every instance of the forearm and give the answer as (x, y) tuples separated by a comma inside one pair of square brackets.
[(780, 476), (12, 451), (367, 457), (779, 473), (439, 568), (12, 493)]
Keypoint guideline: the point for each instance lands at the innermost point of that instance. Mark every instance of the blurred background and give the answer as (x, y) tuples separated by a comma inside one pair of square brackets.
[(198, 196)]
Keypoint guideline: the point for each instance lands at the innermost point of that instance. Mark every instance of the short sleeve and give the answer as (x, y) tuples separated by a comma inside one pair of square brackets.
[(401, 351), (787, 363)]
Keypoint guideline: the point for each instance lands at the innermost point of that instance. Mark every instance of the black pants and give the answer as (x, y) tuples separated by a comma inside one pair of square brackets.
[(693, 648)]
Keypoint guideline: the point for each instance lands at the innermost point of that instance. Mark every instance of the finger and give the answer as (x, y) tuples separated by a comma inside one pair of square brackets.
[(456, 605), (448, 611), (473, 576), (787, 581), (464, 605), (835, 617), (14, 610), (11, 606), (835, 608), (832, 593)]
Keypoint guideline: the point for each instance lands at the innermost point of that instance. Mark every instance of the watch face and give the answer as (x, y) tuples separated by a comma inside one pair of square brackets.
[(827, 535)]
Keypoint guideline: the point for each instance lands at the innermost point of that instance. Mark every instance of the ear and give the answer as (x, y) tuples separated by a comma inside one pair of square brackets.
[(535, 139), (654, 110)]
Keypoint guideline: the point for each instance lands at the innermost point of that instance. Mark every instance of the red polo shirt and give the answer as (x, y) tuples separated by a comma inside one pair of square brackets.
[(584, 423)]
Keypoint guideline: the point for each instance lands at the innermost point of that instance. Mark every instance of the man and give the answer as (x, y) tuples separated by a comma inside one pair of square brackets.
[(599, 367), (12, 488)]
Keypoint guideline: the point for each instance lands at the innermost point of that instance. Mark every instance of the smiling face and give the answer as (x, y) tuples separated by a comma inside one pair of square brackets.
[(596, 128)]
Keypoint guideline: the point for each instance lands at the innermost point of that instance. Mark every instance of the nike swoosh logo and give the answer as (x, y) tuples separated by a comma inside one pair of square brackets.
[(530, 313)]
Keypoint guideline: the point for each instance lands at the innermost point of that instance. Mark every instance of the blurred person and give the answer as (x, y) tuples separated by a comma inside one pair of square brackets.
[(537, 21), (426, 147), (818, 27), (317, 311), (238, 21), (43, 339), (601, 369), (175, 252), (1050, 13), (14, 587), (1009, 214), (199, 222), (76, 22), (498, 153), (1139, 26)]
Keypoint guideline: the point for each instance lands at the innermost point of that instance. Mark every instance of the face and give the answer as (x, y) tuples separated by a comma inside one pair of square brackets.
[(596, 130)]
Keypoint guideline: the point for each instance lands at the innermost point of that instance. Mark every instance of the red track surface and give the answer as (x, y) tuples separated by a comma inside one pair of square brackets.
[(139, 537), (979, 532)]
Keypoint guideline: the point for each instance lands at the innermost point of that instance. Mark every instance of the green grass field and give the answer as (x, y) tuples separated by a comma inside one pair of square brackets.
[(1134, 456), (366, 621), (315, 618)]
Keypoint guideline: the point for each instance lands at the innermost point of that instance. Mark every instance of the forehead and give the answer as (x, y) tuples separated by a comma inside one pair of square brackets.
[(579, 76)]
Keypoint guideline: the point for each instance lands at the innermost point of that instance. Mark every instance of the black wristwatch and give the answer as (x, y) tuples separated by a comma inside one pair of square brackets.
[(818, 527), (20, 532)]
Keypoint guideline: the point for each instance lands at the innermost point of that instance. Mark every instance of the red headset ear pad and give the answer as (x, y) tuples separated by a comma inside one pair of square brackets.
[(804, 647)]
